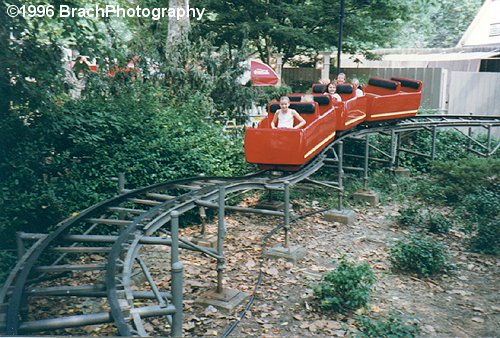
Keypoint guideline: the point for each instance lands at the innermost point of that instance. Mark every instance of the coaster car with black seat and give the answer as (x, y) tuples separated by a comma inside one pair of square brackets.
[(289, 149)]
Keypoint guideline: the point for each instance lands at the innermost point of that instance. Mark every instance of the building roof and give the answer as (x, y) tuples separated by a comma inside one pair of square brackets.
[(481, 41), (451, 59), (485, 28)]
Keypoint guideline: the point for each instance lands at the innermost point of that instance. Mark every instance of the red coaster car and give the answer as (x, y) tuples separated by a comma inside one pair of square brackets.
[(392, 99), (290, 149)]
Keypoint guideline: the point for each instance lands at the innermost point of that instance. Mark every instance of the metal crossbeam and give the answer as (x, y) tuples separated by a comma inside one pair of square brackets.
[(137, 227)]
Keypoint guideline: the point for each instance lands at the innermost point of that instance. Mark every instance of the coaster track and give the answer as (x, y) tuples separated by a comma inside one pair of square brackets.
[(96, 249)]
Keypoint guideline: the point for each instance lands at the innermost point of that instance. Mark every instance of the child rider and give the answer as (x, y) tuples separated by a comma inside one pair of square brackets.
[(285, 116)]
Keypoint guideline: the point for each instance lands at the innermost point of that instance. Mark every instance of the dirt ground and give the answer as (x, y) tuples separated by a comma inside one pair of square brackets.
[(462, 303)]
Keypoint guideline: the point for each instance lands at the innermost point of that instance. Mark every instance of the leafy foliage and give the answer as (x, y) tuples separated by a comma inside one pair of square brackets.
[(415, 216), (31, 74), (450, 145), (486, 238), (346, 288), (480, 214), (65, 162), (301, 27), (476, 208), (58, 155), (386, 325), (438, 223), (421, 30), (419, 254), (470, 186), (466, 176), (409, 216), (7, 261)]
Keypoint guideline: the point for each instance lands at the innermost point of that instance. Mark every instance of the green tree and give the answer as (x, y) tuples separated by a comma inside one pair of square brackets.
[(437, 24), (301, 27), (57, 154), (32, 87)]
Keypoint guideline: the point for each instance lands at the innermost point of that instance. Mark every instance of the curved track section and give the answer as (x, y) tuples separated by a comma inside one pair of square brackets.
[(93, 254)]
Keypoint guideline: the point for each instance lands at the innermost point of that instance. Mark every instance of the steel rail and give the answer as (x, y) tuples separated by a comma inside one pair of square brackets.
[(16, 283), (200, 191), (187, 202)]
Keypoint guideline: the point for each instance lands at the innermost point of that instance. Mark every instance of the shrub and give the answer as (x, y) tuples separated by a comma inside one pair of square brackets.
[(450, 145), (262, 95), (487, 237), (481, 207), (438, 223), (392, 187), (382, 325), (419, 254), (409, 216), (466, 176), (66, 161), (7, 261), (346, 288)]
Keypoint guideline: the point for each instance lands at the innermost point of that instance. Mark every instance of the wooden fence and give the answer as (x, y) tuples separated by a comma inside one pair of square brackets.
[(476, 93), (433, 91)]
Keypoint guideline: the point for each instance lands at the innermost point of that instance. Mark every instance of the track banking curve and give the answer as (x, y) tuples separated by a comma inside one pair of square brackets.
[(106, 238)]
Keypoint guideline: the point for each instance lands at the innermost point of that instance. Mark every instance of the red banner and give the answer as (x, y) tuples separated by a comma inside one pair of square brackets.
[(262, 75)]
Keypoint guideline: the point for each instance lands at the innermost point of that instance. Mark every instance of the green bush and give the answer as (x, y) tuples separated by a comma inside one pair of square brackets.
[(262, 95), (301, 86), (65, 161), (487, 238), (451, 145), (419, 254), (346, 288), (409, 216), (7, 261), (479, 214), (386, 326), (438, 223), (470, 175), (483, 206), (392, 187)]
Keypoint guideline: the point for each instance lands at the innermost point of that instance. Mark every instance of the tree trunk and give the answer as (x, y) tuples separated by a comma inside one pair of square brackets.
[(178, 29)]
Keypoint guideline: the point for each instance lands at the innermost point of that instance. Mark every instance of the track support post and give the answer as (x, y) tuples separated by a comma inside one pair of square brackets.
[(221, 234), (177, 279), (434, 137), (367, 153), (121, 182), (365, 194), (286, 186), (291, 253), (488, 144), (341, 175), (469, 134), (395, 151), (222, 298), (340, 214), (21, 250), (203, 217), (392, 164)]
